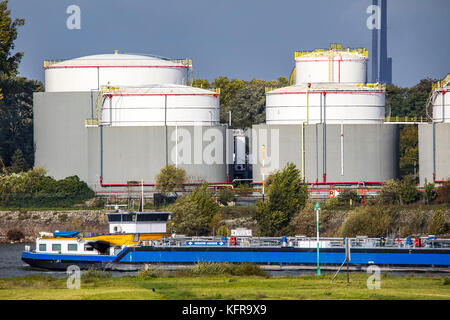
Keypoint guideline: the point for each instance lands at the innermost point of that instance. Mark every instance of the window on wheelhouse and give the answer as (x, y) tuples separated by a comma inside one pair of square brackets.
[(42, 247), (72, 247), (56, 247)]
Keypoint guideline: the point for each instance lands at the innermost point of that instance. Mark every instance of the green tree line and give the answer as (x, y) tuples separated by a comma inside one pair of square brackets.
[(16, 107)]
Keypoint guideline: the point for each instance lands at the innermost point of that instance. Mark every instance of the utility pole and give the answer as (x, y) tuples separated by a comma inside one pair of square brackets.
[(317, 209), (263, 149)]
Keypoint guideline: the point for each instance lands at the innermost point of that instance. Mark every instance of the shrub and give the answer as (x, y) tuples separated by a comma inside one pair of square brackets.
[(15, 234), (211, 269), (390, 193), (346, 195), (93, 274), (223, 268), (443, 192), (408, 190), (225, 196), (151, 273), (372, 221), (34, 189), (223, 231), (446, 281), (399, 191), (285, 197), (437, 224), (170, 179), (429, 191), (248, 269), (195, 214), (305, 221), (244, 190)]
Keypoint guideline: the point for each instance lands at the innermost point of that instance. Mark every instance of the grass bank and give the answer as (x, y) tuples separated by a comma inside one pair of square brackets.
[(170, 287)]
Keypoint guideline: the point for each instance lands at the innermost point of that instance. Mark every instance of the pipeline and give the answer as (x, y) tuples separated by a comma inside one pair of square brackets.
[(434, 139), (324, 144)]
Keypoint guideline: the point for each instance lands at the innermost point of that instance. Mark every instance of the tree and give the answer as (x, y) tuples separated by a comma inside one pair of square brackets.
[(16, 107), (170, 179), (245, 100), (429, 191), (8, 34), (443, 192), (408, 149), (201, 83), (285, 197), (196, 214), (18, 163), (437, 224)]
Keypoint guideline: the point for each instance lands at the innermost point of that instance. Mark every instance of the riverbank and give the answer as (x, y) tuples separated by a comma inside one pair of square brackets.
[(227, 287), (30, 223), (413, 220)]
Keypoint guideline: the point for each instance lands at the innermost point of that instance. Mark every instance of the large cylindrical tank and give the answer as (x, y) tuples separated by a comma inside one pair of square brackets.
[(334, 65), (92, 72), (440, 100), (160, 105), (326, 103)]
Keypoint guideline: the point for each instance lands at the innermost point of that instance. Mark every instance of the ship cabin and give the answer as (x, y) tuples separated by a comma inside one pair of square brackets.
[(138, 222), (125, 229)]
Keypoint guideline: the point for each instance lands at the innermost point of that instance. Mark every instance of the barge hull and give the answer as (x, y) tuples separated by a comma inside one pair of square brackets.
[(134, 258)]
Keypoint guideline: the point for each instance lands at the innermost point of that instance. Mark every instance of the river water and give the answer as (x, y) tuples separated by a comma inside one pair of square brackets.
[(12, 266)]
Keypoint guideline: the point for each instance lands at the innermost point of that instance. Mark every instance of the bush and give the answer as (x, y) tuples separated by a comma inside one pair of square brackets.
[(429, 191), (285, 197), (223, 268), (443, 192), (399, 191), (248, 269), (225, 196), (371, 221), (244, 190), (346, 195), (305, 221), (170, 179), (437, 224), (211, 269), (196, 214), (151, 272), (15, 235), (93, 274), (34, 189), (223, 231), (390, 193), (408, 190)]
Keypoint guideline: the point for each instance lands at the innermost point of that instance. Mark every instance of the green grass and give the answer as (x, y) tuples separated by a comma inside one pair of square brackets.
[(227, 287)]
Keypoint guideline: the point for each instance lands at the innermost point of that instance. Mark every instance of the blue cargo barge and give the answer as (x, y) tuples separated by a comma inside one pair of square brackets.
[(137, 239), (293, 251)]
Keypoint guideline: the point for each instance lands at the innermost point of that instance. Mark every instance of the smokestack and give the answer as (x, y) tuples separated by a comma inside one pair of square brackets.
[(374, 50), (385, 62)]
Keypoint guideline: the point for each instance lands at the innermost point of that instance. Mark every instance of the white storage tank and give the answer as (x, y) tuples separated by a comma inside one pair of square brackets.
[(440, 100), (334, 65), (159, 105), (330, 103), (92, 72)]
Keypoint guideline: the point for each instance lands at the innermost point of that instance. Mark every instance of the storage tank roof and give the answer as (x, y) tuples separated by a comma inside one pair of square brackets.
[(329, 87), (160, 89), (118, 59)]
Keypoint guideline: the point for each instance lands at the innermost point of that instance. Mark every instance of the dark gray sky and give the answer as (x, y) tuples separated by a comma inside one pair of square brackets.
[(241, 39)]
